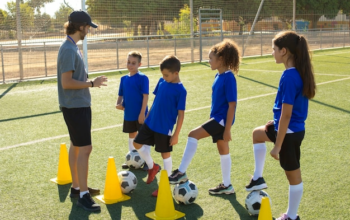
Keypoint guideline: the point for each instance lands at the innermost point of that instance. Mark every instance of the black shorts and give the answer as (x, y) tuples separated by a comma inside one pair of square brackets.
[(149, 137), (78, 121), (290, 150), (131, 126), (215, 130)]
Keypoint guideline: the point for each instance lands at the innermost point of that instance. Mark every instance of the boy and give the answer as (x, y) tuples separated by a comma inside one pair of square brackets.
[(168, 105), (74, 102), (133, 98)]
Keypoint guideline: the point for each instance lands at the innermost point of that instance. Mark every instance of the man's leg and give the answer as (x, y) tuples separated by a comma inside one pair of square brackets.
[(73, 157)]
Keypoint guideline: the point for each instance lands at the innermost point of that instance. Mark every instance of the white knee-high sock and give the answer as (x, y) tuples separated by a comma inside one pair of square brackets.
[(148, 148), (189, 152), (146, 155), (295, 194), (131, 145), (259, 156), (168, 165), (226, 169)]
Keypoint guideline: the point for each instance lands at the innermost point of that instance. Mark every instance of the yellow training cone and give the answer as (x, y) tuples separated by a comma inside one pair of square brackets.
[(63, 175), (265, 209), (165, 204), (113, 192)]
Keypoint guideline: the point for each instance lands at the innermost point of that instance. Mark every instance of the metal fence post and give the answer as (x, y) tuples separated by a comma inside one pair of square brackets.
[(2, 65), (344, 39), (321, 39), (175, 45), (242, 44), (332, 37), (116, 41), (45, 59), (147, 53)]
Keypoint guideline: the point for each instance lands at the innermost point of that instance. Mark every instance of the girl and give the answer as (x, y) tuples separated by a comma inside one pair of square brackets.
[(223, 57), (296, 87)]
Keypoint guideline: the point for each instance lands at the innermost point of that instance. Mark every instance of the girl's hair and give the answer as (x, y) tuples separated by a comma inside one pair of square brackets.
[(228, 50), (71, 28), (298, 47)]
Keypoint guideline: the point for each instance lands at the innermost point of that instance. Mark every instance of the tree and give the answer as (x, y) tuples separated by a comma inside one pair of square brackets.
[(3, 20), (37, 4), (42, 22), (27, 15), (61, 16)]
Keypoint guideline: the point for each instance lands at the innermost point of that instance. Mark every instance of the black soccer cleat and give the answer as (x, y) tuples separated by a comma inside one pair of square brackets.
[(87, 203), (255, 185), (75, 193), (177, 177), (222, 189)]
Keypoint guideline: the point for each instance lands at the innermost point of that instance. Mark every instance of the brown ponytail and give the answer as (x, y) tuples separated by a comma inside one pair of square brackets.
[(297, 45)]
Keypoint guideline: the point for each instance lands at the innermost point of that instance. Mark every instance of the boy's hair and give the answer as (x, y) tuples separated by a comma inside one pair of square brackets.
[(298, 47), (171, 63), (72, 27), (228, 50), (135, 54)]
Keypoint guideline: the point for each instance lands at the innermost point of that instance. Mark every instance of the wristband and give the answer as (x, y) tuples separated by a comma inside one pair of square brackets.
[(92, 83)]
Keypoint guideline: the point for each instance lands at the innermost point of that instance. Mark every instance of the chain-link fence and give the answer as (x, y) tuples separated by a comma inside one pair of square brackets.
[(157, 28)]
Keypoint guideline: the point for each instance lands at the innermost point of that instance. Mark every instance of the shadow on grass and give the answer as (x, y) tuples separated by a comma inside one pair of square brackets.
[(30, 116), (8, 89), (63, 191), (78, 212)]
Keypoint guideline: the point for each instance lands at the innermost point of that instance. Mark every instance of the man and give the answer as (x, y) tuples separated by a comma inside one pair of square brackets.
[(75, 101)]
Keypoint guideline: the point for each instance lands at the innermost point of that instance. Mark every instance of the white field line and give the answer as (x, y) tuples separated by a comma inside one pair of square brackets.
[(118, 125)]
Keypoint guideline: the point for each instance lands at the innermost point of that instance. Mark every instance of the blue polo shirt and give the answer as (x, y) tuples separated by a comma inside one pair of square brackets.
[(224, 91), (290, 91), (132, 89), (170, 97)]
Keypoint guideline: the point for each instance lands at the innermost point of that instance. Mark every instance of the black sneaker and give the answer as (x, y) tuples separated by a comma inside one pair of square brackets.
[(145, 167), (177, 177), (125, 166), (88, 203), (75, 193), (285, 217), (221, 189), (254, 185)]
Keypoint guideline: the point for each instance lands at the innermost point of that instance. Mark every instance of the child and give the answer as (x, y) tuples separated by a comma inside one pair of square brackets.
[(223, 57), (296, 87), (133, 98), (167, 109)]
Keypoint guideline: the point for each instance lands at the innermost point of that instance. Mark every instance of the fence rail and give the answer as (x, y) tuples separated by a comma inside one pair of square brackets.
[(107, 54)]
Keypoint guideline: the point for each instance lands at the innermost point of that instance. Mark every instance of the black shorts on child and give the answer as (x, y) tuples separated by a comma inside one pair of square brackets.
[(290, 149), (78, 121), (149, 137), (131, 126), (215, 130)]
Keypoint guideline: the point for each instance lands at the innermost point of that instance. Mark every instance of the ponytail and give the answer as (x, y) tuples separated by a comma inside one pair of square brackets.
[(298, 47)]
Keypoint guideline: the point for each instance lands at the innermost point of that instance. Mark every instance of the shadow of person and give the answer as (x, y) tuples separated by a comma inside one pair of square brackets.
[(241, 210), (63, 191), (78, 212), (192, 211)]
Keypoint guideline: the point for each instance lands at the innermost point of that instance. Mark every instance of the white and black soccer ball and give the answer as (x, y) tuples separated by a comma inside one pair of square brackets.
[(134, 160), (253, 201), (127, 180), (185, 193)]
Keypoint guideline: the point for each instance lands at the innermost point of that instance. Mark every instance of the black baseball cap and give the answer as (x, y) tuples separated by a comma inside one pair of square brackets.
[(81, 17)]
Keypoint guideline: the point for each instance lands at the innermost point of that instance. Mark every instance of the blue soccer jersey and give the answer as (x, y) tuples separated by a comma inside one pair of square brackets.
[(224, 91), (170, 97), (290, 91), (132, 89)]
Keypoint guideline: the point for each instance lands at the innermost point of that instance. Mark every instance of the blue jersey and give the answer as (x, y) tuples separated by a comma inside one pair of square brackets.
[(132, 89), (224, 91), (170, 97), (290, 91)]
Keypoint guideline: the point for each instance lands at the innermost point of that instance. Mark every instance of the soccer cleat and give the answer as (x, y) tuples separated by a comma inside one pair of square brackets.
[(87, 203), (285, 217), (125, 166), (177, 177), (153, 172), (221, 189), (255, 185), (75, 193), (155, 193), (145, 167)]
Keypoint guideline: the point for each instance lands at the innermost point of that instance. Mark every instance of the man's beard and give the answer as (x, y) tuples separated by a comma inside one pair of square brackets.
[(82, 36)]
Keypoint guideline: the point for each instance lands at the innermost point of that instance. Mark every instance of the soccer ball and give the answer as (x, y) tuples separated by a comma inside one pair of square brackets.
[(185, 193), (127, 180), (133, 159), (253, 201)]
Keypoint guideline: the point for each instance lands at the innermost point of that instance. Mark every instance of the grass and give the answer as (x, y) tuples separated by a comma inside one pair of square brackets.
[(32, 129)]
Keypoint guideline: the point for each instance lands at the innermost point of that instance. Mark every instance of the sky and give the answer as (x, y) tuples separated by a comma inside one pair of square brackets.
[(49, 8)]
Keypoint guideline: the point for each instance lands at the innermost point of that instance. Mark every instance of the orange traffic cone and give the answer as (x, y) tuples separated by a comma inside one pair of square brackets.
[(113, 192), (63, 175), (265, 209), (165, 205)]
